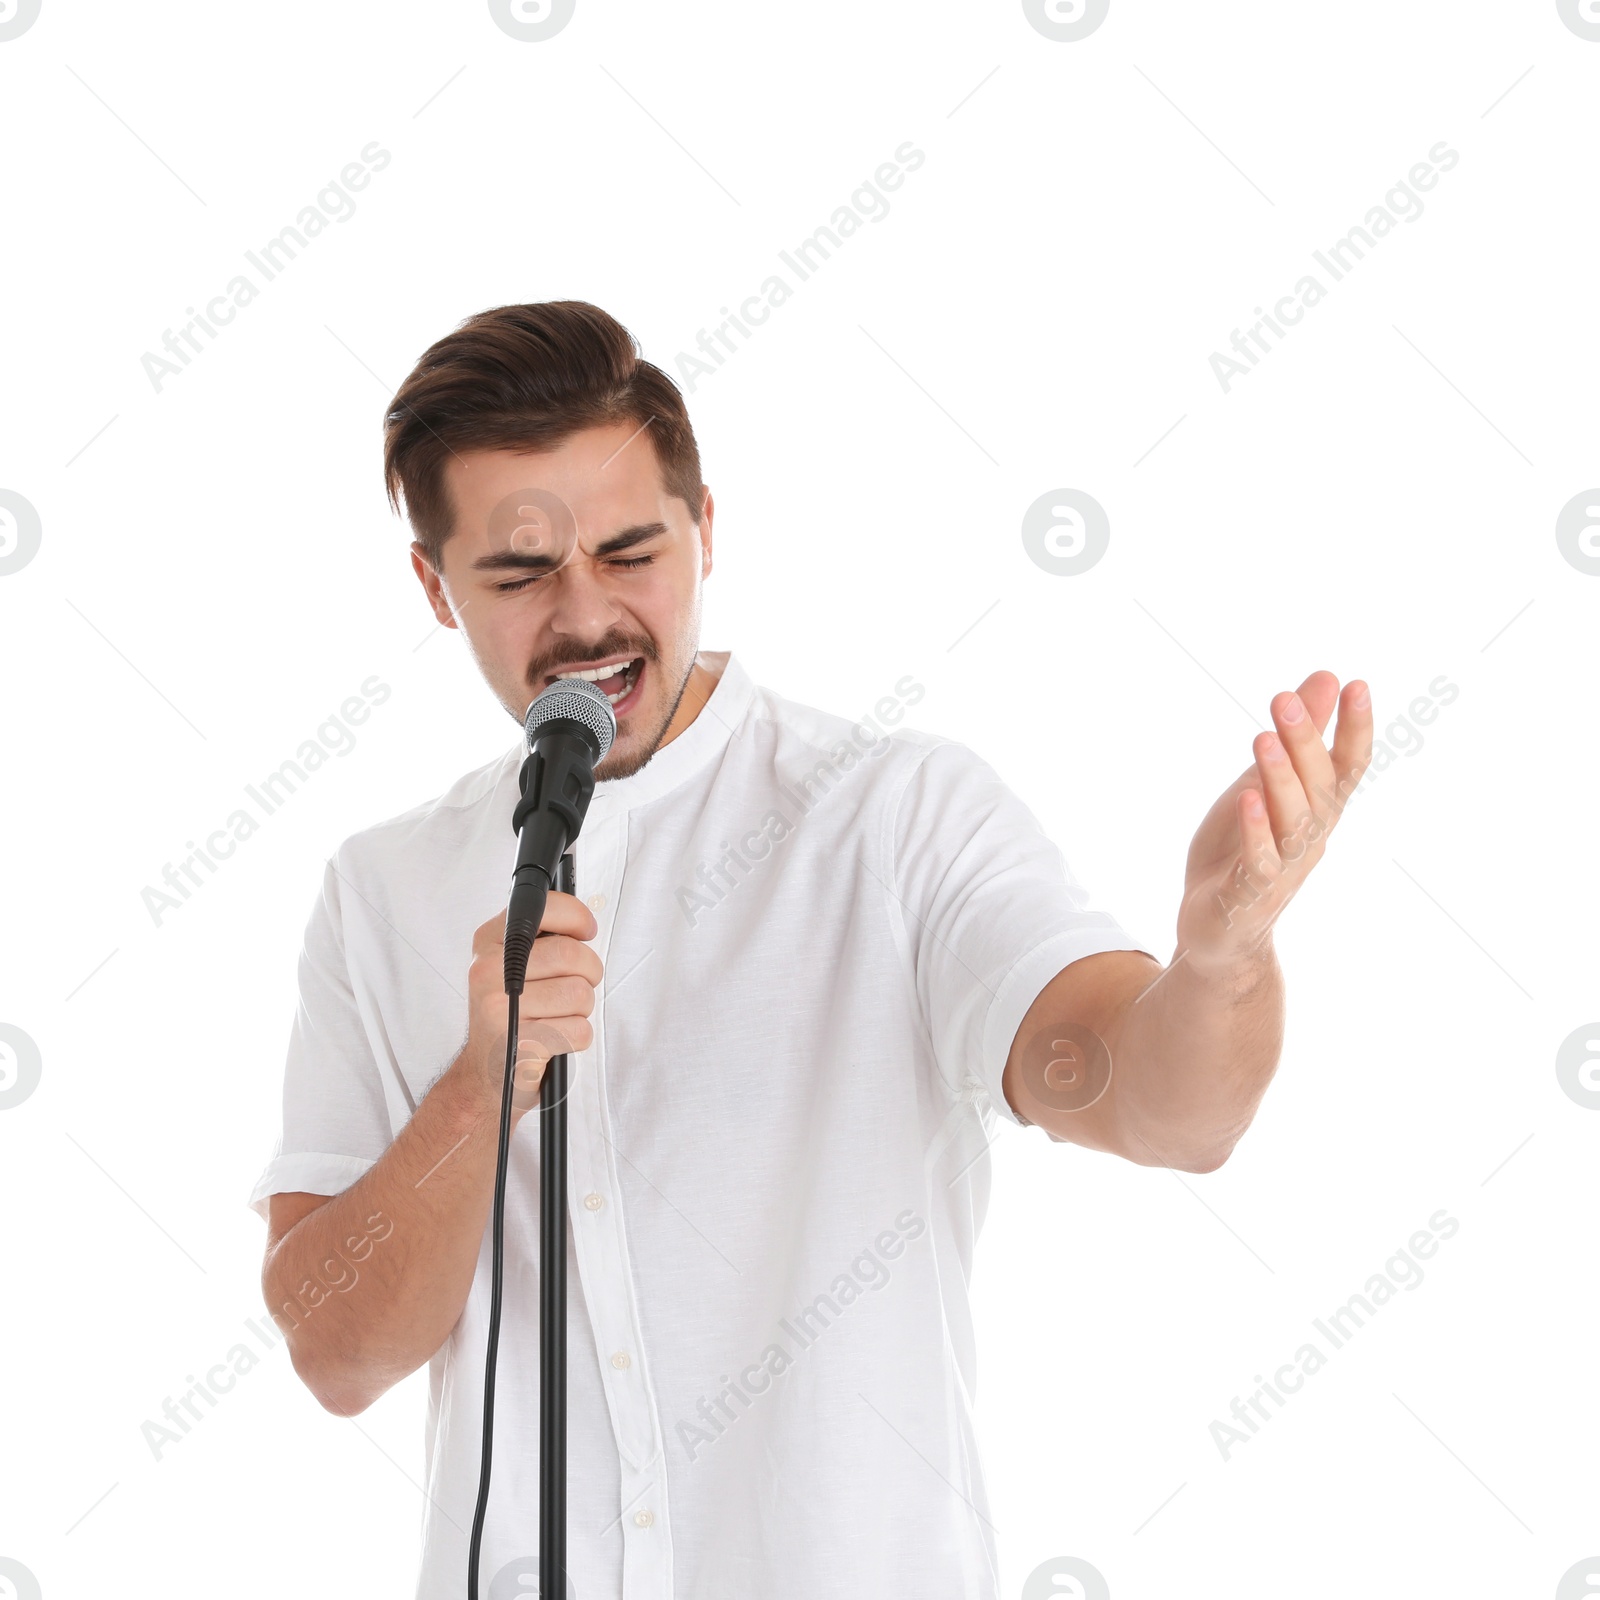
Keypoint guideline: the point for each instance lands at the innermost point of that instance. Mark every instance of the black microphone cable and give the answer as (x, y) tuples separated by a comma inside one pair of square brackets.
[(491, 1356)]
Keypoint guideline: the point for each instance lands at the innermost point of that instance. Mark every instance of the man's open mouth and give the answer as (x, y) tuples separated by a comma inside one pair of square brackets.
[(616, 681)]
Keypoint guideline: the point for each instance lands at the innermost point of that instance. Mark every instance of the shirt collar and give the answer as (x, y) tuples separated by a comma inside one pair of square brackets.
[(673, 763)]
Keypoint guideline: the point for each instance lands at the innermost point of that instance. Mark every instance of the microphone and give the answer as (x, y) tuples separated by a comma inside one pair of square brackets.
[(569, 728)]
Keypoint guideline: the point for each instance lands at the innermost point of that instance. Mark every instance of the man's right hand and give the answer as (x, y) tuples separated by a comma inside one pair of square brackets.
[(557, 1002), (432, 1188)]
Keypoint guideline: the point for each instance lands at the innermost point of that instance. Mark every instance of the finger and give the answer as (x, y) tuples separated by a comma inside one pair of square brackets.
[(1286, 800), (549, 1036), (1258, 850), (533, 1058), (563, 913), (555, 1036), (526, 1079), (559, 1036), (555, 955), (566, 913), (1352, 738), (1320, 692), (1307, 753), (555, 997)]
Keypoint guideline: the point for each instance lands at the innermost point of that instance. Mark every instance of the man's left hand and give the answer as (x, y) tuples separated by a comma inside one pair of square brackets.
[(1269, 828)]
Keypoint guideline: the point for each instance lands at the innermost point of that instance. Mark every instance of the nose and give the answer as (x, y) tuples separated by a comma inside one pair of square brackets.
[(582, 607)]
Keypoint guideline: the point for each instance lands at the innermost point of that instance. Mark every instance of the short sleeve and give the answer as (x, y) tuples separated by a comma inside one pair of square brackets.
[(992, 914), (335, 1118)]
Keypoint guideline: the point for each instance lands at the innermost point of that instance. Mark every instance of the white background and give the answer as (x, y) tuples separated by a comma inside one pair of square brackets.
[(218, 571)]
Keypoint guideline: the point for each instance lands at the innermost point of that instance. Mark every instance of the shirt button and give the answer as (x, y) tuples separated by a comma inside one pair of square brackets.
[(643, 1519), (621, 1359), (594, 1201), (596, 902)]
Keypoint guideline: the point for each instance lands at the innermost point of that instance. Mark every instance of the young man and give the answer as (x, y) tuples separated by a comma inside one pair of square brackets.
[(808, 964)]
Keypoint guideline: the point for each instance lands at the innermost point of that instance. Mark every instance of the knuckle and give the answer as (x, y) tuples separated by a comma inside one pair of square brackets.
[(540, 1039), (561, 951), (554, 1036)]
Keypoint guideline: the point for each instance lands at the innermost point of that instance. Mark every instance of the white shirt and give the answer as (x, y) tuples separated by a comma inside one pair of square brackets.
[(819, 942)]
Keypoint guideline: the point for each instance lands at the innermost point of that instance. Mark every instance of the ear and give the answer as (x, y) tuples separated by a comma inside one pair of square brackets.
[(707, 511), (433, 586)]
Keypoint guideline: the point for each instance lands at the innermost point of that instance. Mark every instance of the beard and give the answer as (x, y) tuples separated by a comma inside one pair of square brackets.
[(628, 757)]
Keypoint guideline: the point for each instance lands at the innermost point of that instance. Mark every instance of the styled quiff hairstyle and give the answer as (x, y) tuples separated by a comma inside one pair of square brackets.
[(526, 378)]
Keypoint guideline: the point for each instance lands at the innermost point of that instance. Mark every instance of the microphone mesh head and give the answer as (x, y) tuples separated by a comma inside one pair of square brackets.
[(579, 700)]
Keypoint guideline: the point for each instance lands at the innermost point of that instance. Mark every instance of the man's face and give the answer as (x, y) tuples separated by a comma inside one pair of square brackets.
[(577, 558)]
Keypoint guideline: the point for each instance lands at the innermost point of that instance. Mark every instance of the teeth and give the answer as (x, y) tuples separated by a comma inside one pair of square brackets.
[(596, 674), (599, 676)]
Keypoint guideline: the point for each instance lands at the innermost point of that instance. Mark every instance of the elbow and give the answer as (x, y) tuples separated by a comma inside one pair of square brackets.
[(338, 1387), (342, 1401), (341, 1394), (1206, 1160), (339, 1384), (1210, 1150)]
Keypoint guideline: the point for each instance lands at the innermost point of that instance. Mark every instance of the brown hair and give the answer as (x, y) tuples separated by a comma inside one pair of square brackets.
[(526, 378)]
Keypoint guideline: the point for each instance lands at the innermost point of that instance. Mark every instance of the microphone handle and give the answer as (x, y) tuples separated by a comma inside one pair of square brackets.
[(557, 781)]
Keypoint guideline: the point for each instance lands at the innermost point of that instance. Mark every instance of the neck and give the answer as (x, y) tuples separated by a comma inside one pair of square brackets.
[(703, 679)]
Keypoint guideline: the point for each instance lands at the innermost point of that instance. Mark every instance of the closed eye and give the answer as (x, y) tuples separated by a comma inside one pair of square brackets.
[(630, 563)]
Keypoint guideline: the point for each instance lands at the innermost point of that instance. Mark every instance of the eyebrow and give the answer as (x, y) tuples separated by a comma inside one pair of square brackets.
[(528, 561)]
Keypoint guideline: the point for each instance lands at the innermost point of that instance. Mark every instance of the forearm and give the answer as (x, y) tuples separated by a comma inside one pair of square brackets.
[(392, 1307), (1192, 1059)]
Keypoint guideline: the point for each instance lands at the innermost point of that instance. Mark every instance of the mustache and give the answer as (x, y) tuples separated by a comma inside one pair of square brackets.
[(598, 652)]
